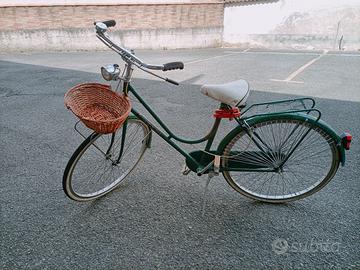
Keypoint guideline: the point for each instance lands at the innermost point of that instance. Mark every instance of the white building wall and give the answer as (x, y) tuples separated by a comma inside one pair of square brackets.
[(304, 24)]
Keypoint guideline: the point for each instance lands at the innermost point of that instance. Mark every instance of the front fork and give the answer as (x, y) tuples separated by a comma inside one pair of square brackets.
[(123, 136)]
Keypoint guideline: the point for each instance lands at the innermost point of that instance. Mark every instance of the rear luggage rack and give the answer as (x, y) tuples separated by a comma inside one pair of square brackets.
[(297, 105)]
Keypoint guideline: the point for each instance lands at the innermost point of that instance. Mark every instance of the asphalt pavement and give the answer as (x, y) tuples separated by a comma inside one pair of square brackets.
[(154, 220)]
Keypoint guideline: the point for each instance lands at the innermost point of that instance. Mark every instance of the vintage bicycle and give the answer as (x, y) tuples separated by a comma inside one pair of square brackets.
[(278, 152)]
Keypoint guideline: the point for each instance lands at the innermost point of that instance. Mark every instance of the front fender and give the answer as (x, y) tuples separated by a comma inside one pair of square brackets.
[(292, 116)]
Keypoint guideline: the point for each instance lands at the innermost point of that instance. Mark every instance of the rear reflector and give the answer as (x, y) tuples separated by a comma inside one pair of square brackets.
[(346, 140)]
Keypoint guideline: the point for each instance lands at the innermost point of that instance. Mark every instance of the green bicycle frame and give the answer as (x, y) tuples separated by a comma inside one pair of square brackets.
[(201, 161), (169, 136)]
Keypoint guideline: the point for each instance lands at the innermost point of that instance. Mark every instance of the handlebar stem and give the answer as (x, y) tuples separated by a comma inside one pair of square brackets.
[(128, 72)]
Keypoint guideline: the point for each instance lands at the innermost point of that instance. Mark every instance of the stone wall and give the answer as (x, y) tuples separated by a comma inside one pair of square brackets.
[(169, 24), (70, 27)]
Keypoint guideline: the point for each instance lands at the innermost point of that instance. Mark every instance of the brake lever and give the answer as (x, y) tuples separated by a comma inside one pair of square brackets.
[(171, 81)]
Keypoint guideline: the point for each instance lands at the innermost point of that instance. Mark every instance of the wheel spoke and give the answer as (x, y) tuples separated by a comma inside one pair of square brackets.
[(90, 173), (311, 162)]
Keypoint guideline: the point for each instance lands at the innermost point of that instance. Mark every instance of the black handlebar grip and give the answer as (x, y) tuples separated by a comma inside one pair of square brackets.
[(109, 23), (173, 65)]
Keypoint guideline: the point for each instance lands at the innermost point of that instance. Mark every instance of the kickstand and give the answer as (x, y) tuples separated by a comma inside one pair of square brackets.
[(204, 199)]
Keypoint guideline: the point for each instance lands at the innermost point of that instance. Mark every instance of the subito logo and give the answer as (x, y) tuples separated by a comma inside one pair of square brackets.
[(280, 246)]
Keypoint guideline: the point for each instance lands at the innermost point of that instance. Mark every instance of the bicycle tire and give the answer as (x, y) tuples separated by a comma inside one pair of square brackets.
[(317, 146), (93, 157)]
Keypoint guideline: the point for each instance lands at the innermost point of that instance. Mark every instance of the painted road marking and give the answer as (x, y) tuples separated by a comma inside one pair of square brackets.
[(247, 51), (300, 70), (291, 53), (277, 80), (215, 57)]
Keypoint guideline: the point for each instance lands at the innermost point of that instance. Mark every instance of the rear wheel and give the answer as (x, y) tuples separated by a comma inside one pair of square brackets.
[(103, 161), (279, 163)]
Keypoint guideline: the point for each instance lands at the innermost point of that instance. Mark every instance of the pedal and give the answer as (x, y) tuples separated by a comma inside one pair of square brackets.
[(185, 170)]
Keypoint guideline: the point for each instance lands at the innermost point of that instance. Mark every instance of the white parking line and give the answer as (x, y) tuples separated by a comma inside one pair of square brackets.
[(247, 51), (300, 70), (214, 57), (290, 78), (344, 54)]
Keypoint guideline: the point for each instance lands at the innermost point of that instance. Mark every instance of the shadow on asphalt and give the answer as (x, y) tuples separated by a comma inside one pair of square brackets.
[(154, 221)]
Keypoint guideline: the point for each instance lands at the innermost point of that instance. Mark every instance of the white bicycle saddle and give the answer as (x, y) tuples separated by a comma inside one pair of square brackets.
[(233, 93)]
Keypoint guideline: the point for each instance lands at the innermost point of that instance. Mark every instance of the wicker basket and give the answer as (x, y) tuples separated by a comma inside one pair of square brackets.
[(98, 107)]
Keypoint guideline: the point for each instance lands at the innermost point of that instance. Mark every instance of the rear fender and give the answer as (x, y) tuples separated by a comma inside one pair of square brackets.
[(297, 116)]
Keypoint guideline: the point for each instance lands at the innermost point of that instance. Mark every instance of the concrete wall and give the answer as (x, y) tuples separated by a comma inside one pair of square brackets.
[(70, 27), (305, 24), (67, 24), (27, 3)]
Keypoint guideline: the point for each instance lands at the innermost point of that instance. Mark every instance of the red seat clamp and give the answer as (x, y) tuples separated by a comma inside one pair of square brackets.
[(227, 113)]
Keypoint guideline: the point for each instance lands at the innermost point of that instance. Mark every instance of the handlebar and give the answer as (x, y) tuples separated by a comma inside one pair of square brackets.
[(173, 65), (110, 23), (128, 56)]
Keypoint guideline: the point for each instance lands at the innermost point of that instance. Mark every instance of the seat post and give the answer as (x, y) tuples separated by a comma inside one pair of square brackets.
[(212, 133), (215, 127)]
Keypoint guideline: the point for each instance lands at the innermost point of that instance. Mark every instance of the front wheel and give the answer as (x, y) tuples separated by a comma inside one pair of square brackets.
[(103, 161), (280, 159)]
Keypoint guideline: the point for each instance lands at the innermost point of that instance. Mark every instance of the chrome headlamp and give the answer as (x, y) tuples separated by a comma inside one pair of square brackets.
[(110, 72)]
